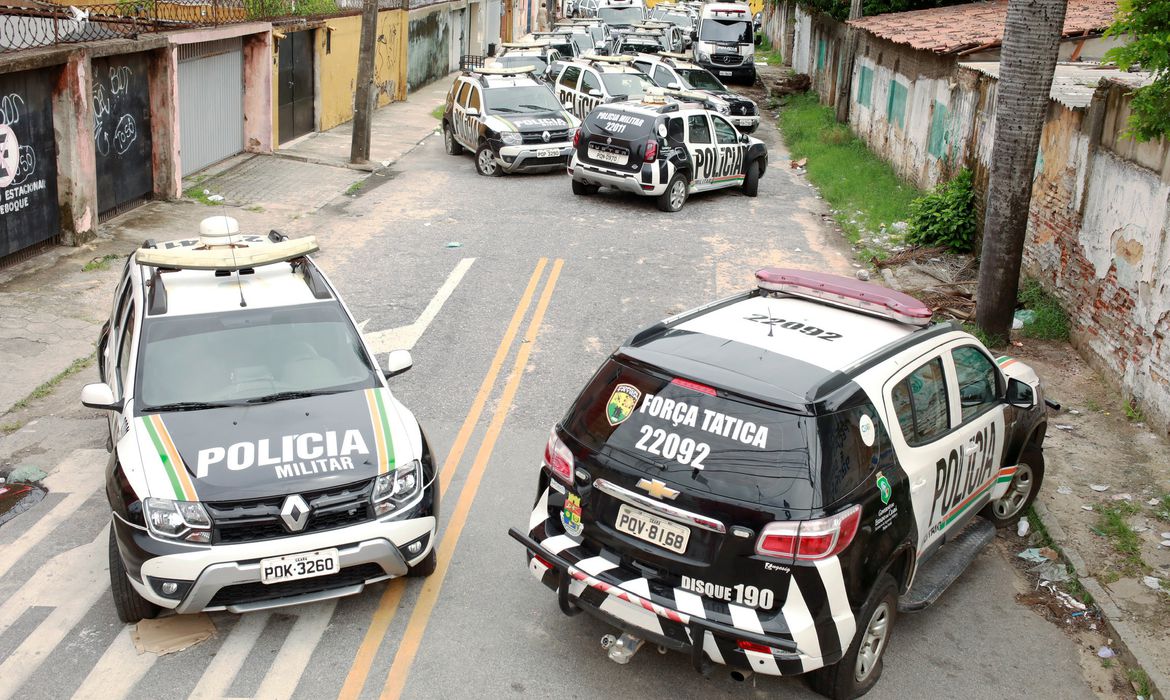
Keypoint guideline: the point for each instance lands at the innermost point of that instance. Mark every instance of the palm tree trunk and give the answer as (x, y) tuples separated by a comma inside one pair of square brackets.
[(1031, 42)]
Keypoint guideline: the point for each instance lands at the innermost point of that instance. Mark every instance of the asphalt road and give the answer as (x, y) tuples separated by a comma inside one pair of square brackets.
[(556, 283)]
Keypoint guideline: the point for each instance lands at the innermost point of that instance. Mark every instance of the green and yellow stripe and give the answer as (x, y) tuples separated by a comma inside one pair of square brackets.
[(727, 178), (173, 465), (381, 424), (1005, 361), (962, 507)]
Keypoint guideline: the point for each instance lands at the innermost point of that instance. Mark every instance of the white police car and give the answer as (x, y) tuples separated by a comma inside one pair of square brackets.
[(766, 481), (511, 121), (668, 147), (584, 83), (258, 457), (677, 72)]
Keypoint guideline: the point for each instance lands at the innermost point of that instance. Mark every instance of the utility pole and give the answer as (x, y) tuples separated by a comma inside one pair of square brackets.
[(363, 98), (1031, 43)]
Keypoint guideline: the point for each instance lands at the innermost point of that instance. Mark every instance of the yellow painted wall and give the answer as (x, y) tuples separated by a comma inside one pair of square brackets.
[(336, 54)]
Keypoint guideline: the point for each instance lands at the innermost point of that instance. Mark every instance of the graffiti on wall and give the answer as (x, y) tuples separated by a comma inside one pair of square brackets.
[(428, 58), (28, 161), (121, 129)]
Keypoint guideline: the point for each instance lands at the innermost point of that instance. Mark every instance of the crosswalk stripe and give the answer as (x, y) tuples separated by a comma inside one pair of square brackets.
[(221, 672), (71, 582), (79, 476), (117, 671), (298, 647)]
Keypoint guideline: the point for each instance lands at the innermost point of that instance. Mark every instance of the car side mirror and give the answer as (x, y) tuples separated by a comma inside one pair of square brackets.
[(1020, 394), (472, 111), (743, 138), (99, 396), (397, 362), (595, 93), (673, 86)]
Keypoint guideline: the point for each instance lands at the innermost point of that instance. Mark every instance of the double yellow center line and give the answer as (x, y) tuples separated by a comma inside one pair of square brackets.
[(428, 596)]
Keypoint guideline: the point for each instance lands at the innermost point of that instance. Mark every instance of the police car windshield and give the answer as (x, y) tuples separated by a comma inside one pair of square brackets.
[(620, 15), (517, 100), (631, 85), (700, 79), (717, 443), (513, 61), (728, 31), (250, 354), (680, 20)]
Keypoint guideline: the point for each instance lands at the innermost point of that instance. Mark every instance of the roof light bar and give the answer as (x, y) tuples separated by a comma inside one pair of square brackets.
[(846, 293), (227, 257), (502, 70), (607, 59)]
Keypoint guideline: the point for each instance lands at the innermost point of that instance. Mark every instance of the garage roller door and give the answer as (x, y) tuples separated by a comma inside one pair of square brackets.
[(211, 102)]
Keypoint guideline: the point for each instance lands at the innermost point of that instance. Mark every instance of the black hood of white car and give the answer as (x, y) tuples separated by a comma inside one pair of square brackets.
[(272, 449)]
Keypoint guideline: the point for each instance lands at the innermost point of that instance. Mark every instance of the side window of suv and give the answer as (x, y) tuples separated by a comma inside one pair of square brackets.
[(590, 81), (698, 129), (126, 337), (663, 77), (473, 99), (464, 88), (724, 132), (569, 77), (920, 402), (978, 381)]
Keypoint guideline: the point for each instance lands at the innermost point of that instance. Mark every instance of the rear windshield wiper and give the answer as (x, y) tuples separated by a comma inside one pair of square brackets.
[(286, 395), (187, 406)]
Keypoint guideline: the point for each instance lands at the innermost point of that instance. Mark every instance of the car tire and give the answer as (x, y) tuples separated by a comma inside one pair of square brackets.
[(751, 181), (861, 667), (673, 199), (131, 606), (426, 567), (485, 162), (449, 143), (583, 189), (1022, 490)]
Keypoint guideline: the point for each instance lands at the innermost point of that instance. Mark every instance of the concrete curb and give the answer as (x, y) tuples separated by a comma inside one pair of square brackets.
[(1111, 613)]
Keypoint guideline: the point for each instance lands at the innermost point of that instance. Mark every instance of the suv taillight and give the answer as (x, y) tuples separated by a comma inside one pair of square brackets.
[(651, 150), (576, 138), (558, 458), (809, 540)]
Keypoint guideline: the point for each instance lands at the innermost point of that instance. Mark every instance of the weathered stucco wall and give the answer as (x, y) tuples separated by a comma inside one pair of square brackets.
[(336, 48), (427, 54)]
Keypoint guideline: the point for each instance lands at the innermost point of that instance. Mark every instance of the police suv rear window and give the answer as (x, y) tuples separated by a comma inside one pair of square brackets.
[(691, 433), (612, 122)]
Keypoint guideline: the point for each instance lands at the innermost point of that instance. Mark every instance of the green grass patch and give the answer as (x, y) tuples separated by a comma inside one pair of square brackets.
[(1050, 321), (356, 187), (437, 112), (1162, 510), (11, 427), (1133, 412), (1140, 681), (768, 53), (102, 263), (47, 388), (255, 208), (855, 182), (201, 195), (988, 340), (1111, 522)]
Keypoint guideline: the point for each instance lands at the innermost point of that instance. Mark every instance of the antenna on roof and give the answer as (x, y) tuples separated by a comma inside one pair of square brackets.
[(213, 228)]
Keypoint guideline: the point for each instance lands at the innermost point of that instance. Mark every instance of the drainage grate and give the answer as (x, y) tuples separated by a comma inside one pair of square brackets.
[(28, 253), (122, 208)]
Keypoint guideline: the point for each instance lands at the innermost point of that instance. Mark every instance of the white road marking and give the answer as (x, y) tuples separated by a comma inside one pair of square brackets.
[(71, 583), (78, 476), (221, 672), (405, 337), (118, 671), (298, 647)]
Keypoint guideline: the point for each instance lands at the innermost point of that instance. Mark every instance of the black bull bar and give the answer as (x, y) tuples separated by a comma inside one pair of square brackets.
[(695, 625)]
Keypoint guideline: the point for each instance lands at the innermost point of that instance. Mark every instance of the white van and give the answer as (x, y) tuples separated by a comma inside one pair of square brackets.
[(726, 41)]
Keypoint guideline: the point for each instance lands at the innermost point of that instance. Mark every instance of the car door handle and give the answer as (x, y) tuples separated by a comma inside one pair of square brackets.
[(918, 484)]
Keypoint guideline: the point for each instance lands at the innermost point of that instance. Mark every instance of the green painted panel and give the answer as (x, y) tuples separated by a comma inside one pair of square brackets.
[(865, 87), (940, 137), (896, 104)]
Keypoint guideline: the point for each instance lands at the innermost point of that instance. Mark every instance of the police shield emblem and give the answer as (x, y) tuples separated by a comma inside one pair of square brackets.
[(621, 404)]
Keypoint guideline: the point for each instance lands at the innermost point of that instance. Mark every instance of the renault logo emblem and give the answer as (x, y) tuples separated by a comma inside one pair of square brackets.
[(657, 489), (295, 513), (546, 136), (609, 140)]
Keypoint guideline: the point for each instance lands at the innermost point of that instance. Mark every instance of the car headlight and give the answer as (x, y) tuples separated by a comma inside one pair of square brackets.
[(511, 138), (722, 108), (177, 520), (398, 490), (701, 55)]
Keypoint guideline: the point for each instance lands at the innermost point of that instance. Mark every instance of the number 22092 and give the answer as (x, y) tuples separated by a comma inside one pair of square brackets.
[(793, 326)]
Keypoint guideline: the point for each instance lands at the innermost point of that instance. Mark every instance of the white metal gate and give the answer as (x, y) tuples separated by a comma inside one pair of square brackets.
[(211, 102), (492, 15), (457, 38)]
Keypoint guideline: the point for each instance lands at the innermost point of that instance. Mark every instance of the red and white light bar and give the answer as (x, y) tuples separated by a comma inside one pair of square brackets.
[(845, 292)]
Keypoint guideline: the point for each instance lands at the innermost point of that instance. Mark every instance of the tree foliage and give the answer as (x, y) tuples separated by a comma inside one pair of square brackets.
[(946, 215), (839, 9), (1145, 27)]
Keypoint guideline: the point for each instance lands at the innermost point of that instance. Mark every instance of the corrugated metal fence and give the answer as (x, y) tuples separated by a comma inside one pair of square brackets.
[(211, 102)]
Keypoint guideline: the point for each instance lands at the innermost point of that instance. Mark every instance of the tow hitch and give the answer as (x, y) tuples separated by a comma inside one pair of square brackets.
[(621, 649)]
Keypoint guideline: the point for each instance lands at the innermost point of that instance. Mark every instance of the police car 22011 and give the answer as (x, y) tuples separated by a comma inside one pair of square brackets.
[(665, 146), (508, 119), (676, 71), (764, 482), (258, 458)]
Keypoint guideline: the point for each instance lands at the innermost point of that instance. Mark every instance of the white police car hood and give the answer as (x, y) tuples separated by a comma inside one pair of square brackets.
[(273, 449), (532, 122)]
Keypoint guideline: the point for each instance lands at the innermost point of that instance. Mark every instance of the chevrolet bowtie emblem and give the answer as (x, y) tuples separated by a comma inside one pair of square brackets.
[(657, 489)]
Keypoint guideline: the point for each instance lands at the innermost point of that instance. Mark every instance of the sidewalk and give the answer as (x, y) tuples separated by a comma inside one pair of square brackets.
[(52, 309)]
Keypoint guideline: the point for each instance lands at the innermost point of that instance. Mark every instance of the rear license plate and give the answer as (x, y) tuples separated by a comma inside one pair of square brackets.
[(547, 153), (293, 567), (608, 156), (724, 72), (653, 529)]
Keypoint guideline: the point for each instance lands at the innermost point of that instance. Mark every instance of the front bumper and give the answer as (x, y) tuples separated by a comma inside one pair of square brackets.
[(746, 125), (745, 72), (625, 181), (708, 631), (227, 577), (528, 158)]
